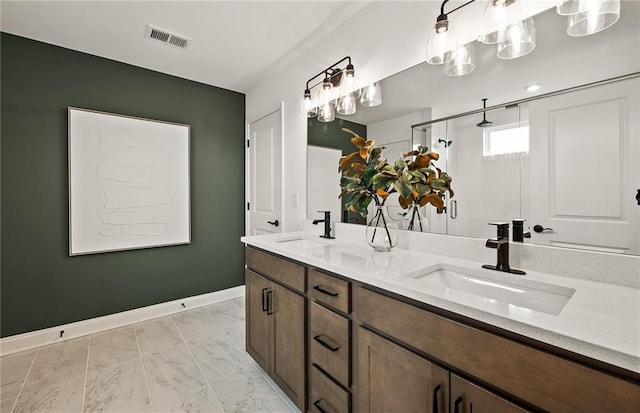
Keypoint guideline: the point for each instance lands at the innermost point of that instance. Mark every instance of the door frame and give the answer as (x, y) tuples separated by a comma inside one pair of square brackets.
[(247, 166)]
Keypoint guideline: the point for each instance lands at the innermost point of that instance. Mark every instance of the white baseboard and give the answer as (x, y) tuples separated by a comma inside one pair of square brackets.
[(33, 339)]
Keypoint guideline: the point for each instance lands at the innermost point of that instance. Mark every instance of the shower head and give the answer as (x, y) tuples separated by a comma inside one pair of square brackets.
[(485, 123)]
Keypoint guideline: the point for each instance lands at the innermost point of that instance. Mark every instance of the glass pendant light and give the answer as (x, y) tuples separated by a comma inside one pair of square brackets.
[(441, 42), (371, 95), (326, 111), (464, 61), (593, 16), (568, 7), (346, 104), (517, 40), (497, 15), (347, 100), (309, 108)]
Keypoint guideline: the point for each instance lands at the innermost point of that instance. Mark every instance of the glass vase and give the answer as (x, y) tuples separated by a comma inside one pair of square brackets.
[(416, 222), (382, 232)]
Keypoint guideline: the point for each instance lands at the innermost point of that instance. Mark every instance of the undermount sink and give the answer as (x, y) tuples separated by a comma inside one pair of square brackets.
[(506, 289), (301, 242)]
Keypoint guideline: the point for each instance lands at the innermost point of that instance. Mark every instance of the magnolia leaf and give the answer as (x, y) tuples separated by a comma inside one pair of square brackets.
[(400, 164), (382, 193), (349, 131), (412, 153), (423, 149), (368, 174), (403, 187), (362, 205), (380, 181), (433, 155), (404, 202), (358, 142), (435, 200)]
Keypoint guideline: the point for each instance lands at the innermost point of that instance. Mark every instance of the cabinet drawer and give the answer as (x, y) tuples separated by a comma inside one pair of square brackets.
[(329, 290), (279, 269), (329, 348), (465, 396), (548, 381), (325, 395)]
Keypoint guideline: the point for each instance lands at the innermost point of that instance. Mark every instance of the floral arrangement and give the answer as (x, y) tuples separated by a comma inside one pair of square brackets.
[(367, 176)]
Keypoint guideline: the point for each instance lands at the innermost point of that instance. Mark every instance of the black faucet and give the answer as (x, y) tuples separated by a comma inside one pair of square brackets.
[(501, 244), (518, 230), (327, 224)]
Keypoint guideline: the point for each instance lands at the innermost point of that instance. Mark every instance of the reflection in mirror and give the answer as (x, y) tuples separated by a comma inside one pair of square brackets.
[(571, 137)]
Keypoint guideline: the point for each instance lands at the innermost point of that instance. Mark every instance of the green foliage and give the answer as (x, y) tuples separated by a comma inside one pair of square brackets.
[(367, 177)]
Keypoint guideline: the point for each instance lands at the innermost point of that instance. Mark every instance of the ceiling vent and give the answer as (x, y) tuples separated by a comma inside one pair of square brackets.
[(164, 36)]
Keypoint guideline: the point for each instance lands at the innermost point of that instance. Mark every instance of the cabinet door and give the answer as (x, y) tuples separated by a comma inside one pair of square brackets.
[(258, 325), (288, 367), (392, 379), (466, 397)]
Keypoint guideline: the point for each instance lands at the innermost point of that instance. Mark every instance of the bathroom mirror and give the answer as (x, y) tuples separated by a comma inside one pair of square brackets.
[(424, 92)]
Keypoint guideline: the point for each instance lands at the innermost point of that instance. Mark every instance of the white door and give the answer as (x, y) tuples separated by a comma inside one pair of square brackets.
[(323, 182), (265, 175), (584, 170)]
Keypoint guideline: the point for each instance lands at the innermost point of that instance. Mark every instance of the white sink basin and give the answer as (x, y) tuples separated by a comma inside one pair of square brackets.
[(301, 242), (502, 288)]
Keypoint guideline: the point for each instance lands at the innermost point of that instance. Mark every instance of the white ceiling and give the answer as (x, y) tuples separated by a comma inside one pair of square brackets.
[(235, 43)]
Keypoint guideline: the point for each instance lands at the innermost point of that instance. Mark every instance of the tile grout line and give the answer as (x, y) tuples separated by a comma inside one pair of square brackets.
[(198, 364), (15, 403), (86, 373), (144, 373), (261, 372)]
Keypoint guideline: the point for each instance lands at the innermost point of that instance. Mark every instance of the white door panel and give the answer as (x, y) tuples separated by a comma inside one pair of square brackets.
[(265, 182), (588, 143), (323, 182)]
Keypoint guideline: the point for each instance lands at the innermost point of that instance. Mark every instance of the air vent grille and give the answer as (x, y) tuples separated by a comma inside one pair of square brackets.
[(167, 37)]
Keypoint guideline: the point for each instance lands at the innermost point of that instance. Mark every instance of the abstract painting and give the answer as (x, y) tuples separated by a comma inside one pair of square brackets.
[(128, 182)]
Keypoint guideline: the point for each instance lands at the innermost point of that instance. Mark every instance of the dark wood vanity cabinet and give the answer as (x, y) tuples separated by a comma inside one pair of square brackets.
[(329, 343), (352, 347), (537, 377), (392, 379), (275, 323), (467, 397)]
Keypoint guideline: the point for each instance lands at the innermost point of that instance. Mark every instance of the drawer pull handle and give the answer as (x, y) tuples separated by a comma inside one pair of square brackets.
[(264, 300), (326, 292), (269, 302), (325, 344), (456, 408), (317, 405), (435, 399)]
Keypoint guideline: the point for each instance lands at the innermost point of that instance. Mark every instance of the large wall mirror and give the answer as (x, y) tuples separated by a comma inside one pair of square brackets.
[(570, 165)]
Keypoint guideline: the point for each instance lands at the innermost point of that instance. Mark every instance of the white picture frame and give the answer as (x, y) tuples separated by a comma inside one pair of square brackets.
[(128, 182)]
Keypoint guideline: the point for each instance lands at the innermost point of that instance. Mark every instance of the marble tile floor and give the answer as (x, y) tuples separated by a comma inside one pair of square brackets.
[(193, 361)]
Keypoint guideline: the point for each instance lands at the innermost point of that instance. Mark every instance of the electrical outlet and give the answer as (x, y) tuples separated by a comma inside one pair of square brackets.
[(295, 201)]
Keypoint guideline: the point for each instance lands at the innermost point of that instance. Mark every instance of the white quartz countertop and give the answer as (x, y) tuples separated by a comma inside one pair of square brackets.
[(600, 320)]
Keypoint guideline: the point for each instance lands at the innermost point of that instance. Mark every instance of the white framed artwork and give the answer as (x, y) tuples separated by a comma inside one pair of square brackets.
[(128, 182)]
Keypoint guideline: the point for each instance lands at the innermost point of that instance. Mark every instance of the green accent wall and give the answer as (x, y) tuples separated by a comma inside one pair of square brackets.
[(331, 135), (41, 285)]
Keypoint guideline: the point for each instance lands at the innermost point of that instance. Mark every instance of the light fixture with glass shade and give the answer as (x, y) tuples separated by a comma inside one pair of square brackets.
[(593, 16), (464, 61), (338, 92), (326, 110), (442, 39), (517, 39), (498, 14), (371, 95)]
